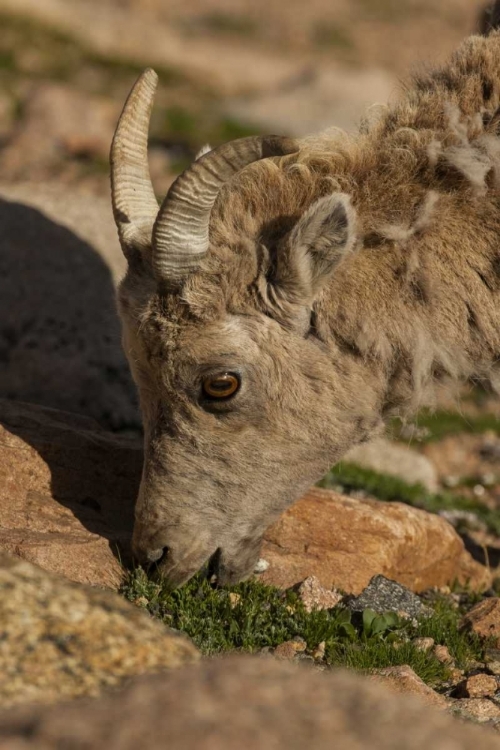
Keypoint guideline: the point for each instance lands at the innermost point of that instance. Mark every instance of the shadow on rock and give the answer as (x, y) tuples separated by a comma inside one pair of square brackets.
[(59, 332), (484, 554), (67, 492)]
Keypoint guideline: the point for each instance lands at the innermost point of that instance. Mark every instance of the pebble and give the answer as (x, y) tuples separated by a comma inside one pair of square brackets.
[(289, 649), (423, 644), (442, 654), (234, 599), (316, 597), (478, 686), (261, 566), (480, 710), (319, 652), (492, 660), (383, 595), (484, 619)]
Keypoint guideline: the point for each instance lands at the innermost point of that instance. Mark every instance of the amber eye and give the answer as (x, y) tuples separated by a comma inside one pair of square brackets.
[(221, 386)]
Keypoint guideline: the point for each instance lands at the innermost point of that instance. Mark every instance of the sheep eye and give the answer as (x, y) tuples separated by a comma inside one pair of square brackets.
[(221, 386)]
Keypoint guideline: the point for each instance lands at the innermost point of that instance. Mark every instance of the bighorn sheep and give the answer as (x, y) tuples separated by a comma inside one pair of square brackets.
[(288, 297)]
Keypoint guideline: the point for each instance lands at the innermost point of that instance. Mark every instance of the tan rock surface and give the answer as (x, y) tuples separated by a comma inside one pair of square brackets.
[(244, 703), (403, 680), (344, 542), (478, 686), (479, 710), (67, 491), (484, 619), (61, 640)]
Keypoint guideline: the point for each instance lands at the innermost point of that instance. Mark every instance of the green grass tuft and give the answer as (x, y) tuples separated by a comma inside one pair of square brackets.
[(385, 487), (333, 36), (441, 423), (264, 617)]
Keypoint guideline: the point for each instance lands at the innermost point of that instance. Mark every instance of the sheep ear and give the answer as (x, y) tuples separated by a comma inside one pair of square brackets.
[(323, 235)]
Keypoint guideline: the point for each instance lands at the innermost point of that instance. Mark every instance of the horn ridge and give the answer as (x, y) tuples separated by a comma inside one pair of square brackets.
[(180, 233), (134, 203)]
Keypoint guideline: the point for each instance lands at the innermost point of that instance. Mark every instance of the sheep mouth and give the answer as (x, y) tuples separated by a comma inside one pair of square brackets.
[(212, 568)]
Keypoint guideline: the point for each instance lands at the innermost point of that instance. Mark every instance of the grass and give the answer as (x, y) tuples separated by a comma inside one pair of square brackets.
[(334, 37), (439, 424), (252, 616), (56, 55), (384, 487), (191, 128), (35, 51)]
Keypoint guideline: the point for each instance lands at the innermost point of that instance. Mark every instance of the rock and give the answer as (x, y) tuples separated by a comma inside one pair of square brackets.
[(60, 336), (67, 492), (382, 595), (404, 680), (68, 488), (455, 676), (423, 644), (234, 599), (318, 653), (484, 620), (248, 703), (477, 686), (314, 596), (61, 640), (443, 655), (479, 710), (492, 660), (387, 457), (463, 455), (289, 649), (261, 566), (344, 542)]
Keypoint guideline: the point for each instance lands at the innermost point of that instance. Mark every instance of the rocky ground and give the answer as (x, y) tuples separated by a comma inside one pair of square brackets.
[(390, 568)]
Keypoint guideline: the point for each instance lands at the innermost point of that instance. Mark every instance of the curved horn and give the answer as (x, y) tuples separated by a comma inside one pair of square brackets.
[(180, 234), (134, 204)]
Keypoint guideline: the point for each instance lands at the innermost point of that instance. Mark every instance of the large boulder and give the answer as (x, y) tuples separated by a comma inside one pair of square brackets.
[(249, 703), (67, 491), (61, 640), (344, 542)]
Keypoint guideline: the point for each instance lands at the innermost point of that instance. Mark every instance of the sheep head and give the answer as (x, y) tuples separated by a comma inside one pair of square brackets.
[(238, 392)]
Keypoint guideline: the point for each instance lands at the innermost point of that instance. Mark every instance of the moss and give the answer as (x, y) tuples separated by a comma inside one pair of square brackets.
[(40, 51), (394, 11), (228, 129), (333, 36), (252, 616), (190, 128), (350, 478)]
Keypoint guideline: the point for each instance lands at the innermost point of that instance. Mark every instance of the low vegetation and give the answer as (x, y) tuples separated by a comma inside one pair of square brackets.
[(435, 425), (351, 478), (252, 616)]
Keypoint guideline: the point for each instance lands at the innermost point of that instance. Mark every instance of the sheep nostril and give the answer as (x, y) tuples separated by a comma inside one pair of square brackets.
[(149, 557), (155, 555)]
